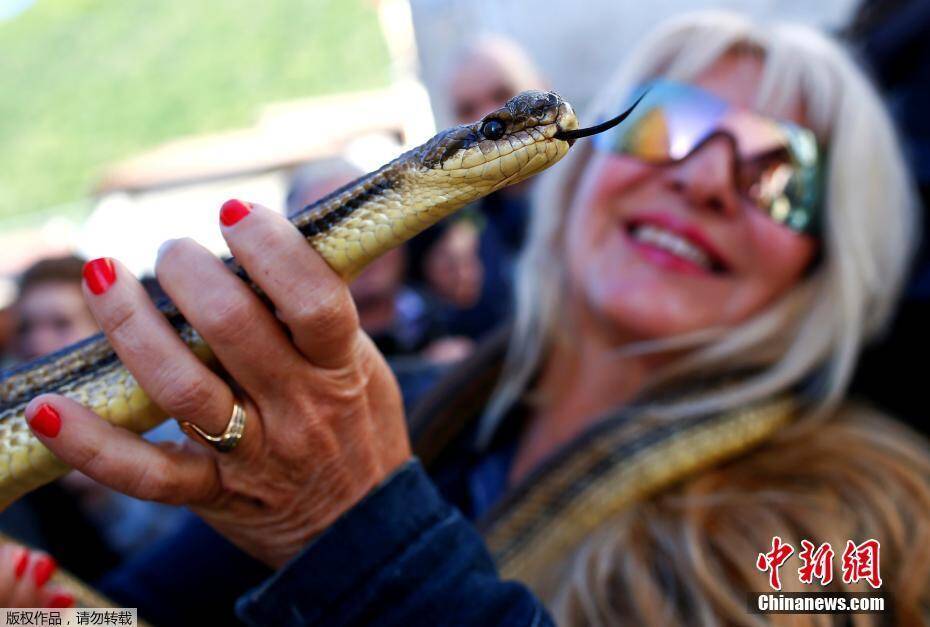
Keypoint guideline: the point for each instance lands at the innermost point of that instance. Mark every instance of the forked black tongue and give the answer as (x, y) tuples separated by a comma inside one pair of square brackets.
[(600, 128)]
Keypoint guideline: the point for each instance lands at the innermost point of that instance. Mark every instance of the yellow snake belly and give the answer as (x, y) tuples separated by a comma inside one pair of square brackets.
[(349, 228)]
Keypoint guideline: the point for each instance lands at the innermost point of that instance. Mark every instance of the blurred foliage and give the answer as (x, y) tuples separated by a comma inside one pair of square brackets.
[(84, 83)]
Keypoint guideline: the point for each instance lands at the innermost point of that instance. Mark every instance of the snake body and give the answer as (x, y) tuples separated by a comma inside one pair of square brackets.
[(349, 228)]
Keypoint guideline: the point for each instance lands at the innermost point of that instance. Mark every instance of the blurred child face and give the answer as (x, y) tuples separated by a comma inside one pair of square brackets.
[(51, 315), (453, 265), (633, 290), (381, 279)]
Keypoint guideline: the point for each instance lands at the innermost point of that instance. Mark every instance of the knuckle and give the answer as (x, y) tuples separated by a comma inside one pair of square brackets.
[(186, 396), (155, 482), (229, 320), (89, 460), (117, 319), (253, 242), (308, 439), (171, 256), (326, 311)]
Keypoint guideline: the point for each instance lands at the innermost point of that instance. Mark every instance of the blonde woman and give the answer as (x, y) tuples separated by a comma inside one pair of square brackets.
[(670, 416)]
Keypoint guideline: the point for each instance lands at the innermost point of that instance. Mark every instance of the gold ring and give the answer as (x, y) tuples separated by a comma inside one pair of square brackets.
[(226, 441)]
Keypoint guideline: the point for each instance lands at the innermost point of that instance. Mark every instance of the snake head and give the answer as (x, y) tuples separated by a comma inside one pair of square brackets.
[(505, 146), (543, 111)]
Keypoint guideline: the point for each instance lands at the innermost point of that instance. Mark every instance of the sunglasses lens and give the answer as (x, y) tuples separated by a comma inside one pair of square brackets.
[(667, 124), (766, 182), (777, 161), (787, 181)]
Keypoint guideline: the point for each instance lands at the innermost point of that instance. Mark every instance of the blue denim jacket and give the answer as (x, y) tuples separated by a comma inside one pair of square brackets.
[(403, 556)]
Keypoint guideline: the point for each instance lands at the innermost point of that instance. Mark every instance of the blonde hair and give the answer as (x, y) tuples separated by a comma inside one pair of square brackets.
[(820, 325), (687, 556)]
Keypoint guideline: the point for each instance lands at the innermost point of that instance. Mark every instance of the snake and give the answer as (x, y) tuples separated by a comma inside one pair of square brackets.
[(349, 228)]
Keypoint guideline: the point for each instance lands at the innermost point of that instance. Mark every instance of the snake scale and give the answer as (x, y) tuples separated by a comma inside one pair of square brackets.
[(349, 228)]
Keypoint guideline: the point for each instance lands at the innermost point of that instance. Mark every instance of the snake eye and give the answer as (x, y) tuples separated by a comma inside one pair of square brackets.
[(492, 129)]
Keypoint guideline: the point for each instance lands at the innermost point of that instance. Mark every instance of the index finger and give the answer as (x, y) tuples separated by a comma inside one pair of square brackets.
[(311, 299)]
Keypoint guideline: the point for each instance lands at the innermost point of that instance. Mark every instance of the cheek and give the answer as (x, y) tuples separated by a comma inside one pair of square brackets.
[(593, 218), (609, 281), (779, 257), (609, 176), (774, 259)]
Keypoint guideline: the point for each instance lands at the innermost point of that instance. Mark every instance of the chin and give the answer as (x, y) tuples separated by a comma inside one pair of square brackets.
[(641, 324), (647, 305)]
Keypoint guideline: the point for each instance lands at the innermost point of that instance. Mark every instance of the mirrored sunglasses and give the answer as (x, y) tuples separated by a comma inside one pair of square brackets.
[(777, 165)]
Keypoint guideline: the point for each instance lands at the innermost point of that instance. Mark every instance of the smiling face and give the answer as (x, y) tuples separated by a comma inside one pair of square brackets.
[(657, 251)]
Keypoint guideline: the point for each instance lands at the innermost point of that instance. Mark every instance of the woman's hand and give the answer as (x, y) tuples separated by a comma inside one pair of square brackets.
[(23, 578), (324, 420)]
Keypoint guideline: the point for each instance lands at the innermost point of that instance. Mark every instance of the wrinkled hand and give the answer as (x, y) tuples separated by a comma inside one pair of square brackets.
[(325, 419), (23, 578)]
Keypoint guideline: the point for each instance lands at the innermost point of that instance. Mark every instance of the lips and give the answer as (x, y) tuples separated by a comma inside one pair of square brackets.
[(675, 244)]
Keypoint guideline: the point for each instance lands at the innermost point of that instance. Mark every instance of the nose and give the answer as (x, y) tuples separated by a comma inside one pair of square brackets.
[(707, 176)]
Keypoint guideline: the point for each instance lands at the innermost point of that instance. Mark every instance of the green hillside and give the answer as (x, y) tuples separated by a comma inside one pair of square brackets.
[(85, 83)]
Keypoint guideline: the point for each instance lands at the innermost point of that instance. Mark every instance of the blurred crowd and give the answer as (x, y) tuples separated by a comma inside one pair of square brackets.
[(429, 303)]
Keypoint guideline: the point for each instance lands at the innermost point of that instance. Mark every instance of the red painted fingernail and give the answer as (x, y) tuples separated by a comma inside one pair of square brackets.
[(43, 569), (99, 274), (46, 421), (21, 562), (232, 211), (61, 599)]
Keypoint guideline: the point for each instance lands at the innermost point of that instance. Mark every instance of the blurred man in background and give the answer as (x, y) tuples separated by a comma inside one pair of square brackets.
[(468, 263), (407, 323), (489, 72), (397, 318)]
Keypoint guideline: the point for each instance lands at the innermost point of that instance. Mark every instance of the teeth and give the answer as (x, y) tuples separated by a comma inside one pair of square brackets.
[(671, 242)]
